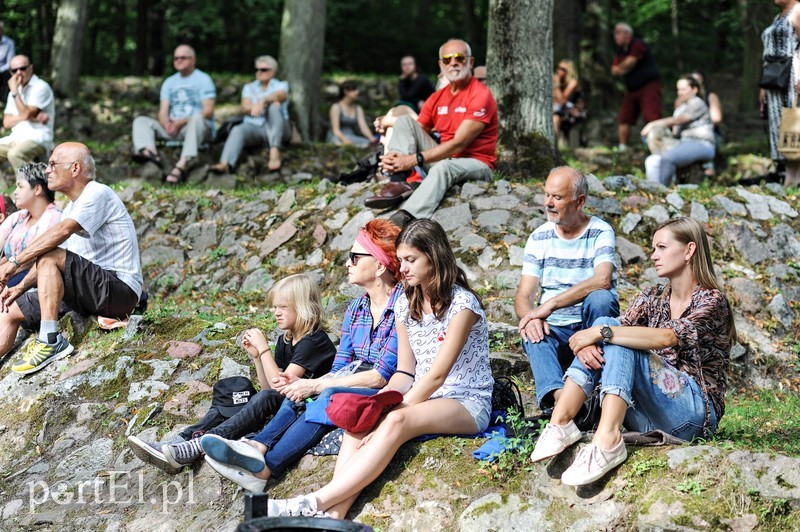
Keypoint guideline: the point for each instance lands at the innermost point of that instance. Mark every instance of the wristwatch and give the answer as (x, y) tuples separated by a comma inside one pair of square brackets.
[(606, 333), (420, 159), (13, 260)]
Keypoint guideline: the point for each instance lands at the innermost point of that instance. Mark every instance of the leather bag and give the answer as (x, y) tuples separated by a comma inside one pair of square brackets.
[(776, 73)]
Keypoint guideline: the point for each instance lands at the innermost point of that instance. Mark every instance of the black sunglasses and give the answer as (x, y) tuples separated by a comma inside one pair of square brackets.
[(353, 256), (15, 70), (263, 70)]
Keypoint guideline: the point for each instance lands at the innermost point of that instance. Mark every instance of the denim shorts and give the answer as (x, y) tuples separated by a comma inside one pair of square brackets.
[(479, 410)]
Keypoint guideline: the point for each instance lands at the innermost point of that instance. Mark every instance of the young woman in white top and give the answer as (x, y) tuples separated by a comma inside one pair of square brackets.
[(443, 371)]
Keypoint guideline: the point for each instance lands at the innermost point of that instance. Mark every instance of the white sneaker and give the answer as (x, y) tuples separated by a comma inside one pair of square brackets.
[(303, 505), (592, 463), (245, 479), (554, 439), (234, 453)]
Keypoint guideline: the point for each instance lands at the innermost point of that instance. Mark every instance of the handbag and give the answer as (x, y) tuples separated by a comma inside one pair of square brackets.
[(776, 73), (588, 416), (789, 135)]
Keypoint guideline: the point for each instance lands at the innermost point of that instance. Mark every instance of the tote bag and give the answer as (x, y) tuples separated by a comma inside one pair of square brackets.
[(789, 137)]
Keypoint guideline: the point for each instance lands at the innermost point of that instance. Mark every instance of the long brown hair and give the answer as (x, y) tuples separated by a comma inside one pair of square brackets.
[(687, 230), (429, 238)]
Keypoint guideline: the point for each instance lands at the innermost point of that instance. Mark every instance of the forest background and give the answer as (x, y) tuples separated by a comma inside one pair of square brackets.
[(136, 37)]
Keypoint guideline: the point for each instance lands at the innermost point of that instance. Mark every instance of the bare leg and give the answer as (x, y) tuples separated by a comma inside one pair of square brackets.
[(624, 133), (402, 424), (792, 178), (571, 399), (50, 281), (557, 125), (9, 325), (608, 431), (264, 473)]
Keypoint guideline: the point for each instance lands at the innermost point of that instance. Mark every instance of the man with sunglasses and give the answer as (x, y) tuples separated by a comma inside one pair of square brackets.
[(465, 115), (265, 103), (29, 114), (186, 113), (88, 262)]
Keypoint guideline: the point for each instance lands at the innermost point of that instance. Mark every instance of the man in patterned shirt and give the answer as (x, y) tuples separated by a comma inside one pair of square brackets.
[(88, 262), (568, 280)]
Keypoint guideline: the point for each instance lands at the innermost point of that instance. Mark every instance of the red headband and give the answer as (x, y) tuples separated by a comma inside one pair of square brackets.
[(375, 250)]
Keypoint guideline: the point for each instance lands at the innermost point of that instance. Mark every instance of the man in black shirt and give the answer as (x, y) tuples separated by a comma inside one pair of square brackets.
[(414, 87)]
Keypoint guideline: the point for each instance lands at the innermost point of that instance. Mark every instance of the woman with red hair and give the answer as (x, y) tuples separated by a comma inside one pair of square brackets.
[(369, 339)]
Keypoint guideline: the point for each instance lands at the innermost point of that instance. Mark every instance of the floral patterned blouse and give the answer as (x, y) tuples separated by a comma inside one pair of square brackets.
[(704, 344)]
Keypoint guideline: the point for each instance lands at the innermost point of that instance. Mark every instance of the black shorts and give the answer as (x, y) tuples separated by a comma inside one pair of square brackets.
[(88, 290)]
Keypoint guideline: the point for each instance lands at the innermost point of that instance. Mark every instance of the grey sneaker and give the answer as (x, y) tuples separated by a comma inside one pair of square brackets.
[(150, 453), (183, 454)]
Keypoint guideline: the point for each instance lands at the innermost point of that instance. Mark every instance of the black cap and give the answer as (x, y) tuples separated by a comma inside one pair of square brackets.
[(231, 394)]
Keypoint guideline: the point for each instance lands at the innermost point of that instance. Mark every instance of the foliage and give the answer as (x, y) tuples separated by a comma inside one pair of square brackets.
[(516, 457)]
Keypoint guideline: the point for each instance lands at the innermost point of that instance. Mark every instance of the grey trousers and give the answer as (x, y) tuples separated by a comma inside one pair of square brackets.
[(275, 133), (21, 152), (409, 137), (193, 134)]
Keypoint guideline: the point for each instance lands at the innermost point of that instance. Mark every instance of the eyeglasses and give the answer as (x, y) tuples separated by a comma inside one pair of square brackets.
[(15, 70), (353, 256), (263, 69), (181, 57), (52, 165), (459, 58)]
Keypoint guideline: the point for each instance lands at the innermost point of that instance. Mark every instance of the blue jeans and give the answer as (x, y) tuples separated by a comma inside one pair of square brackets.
[(658, 395), (661, 168), (289, 436), (550, 357)]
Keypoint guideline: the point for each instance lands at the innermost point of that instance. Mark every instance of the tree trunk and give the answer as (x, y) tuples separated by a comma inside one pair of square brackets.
[(142, 36), (520, 62), (302, 40), (754, 20), (676, 34), (567, 16), (68, 46)]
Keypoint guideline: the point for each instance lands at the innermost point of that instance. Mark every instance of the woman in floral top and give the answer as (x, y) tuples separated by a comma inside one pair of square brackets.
[(663, 365)]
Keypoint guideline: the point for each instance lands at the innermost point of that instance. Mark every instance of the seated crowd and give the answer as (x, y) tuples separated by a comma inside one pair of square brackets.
[(416, 343)]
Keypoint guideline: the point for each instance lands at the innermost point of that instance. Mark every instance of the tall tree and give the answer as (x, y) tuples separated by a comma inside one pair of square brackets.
[(520, 68), (302, 42), (567, 29), (68, 45)]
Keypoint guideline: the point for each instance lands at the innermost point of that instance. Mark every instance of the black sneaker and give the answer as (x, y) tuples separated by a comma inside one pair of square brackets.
[(150, 453), (182, 454)]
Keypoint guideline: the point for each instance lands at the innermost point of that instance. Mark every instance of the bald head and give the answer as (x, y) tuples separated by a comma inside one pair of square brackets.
[(580, 185), (479, 73), (71, 167)]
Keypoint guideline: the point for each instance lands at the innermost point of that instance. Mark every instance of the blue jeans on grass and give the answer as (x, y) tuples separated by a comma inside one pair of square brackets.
[(659, 397), (289, 436), (550, 357)]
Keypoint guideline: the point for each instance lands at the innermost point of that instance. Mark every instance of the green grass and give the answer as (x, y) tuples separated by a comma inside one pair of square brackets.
[(762, 421)]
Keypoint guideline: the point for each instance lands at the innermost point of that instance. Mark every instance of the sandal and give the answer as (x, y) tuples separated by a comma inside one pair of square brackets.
[(178, 177), (274, 166), (146, 156)]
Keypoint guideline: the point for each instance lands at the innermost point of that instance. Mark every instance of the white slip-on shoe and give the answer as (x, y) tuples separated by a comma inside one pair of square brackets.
[(243, 478), (592, 463), (234, 453), (554, 439)]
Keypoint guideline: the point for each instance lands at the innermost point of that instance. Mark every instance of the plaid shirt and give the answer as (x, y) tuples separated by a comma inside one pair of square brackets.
[(376, 346)]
